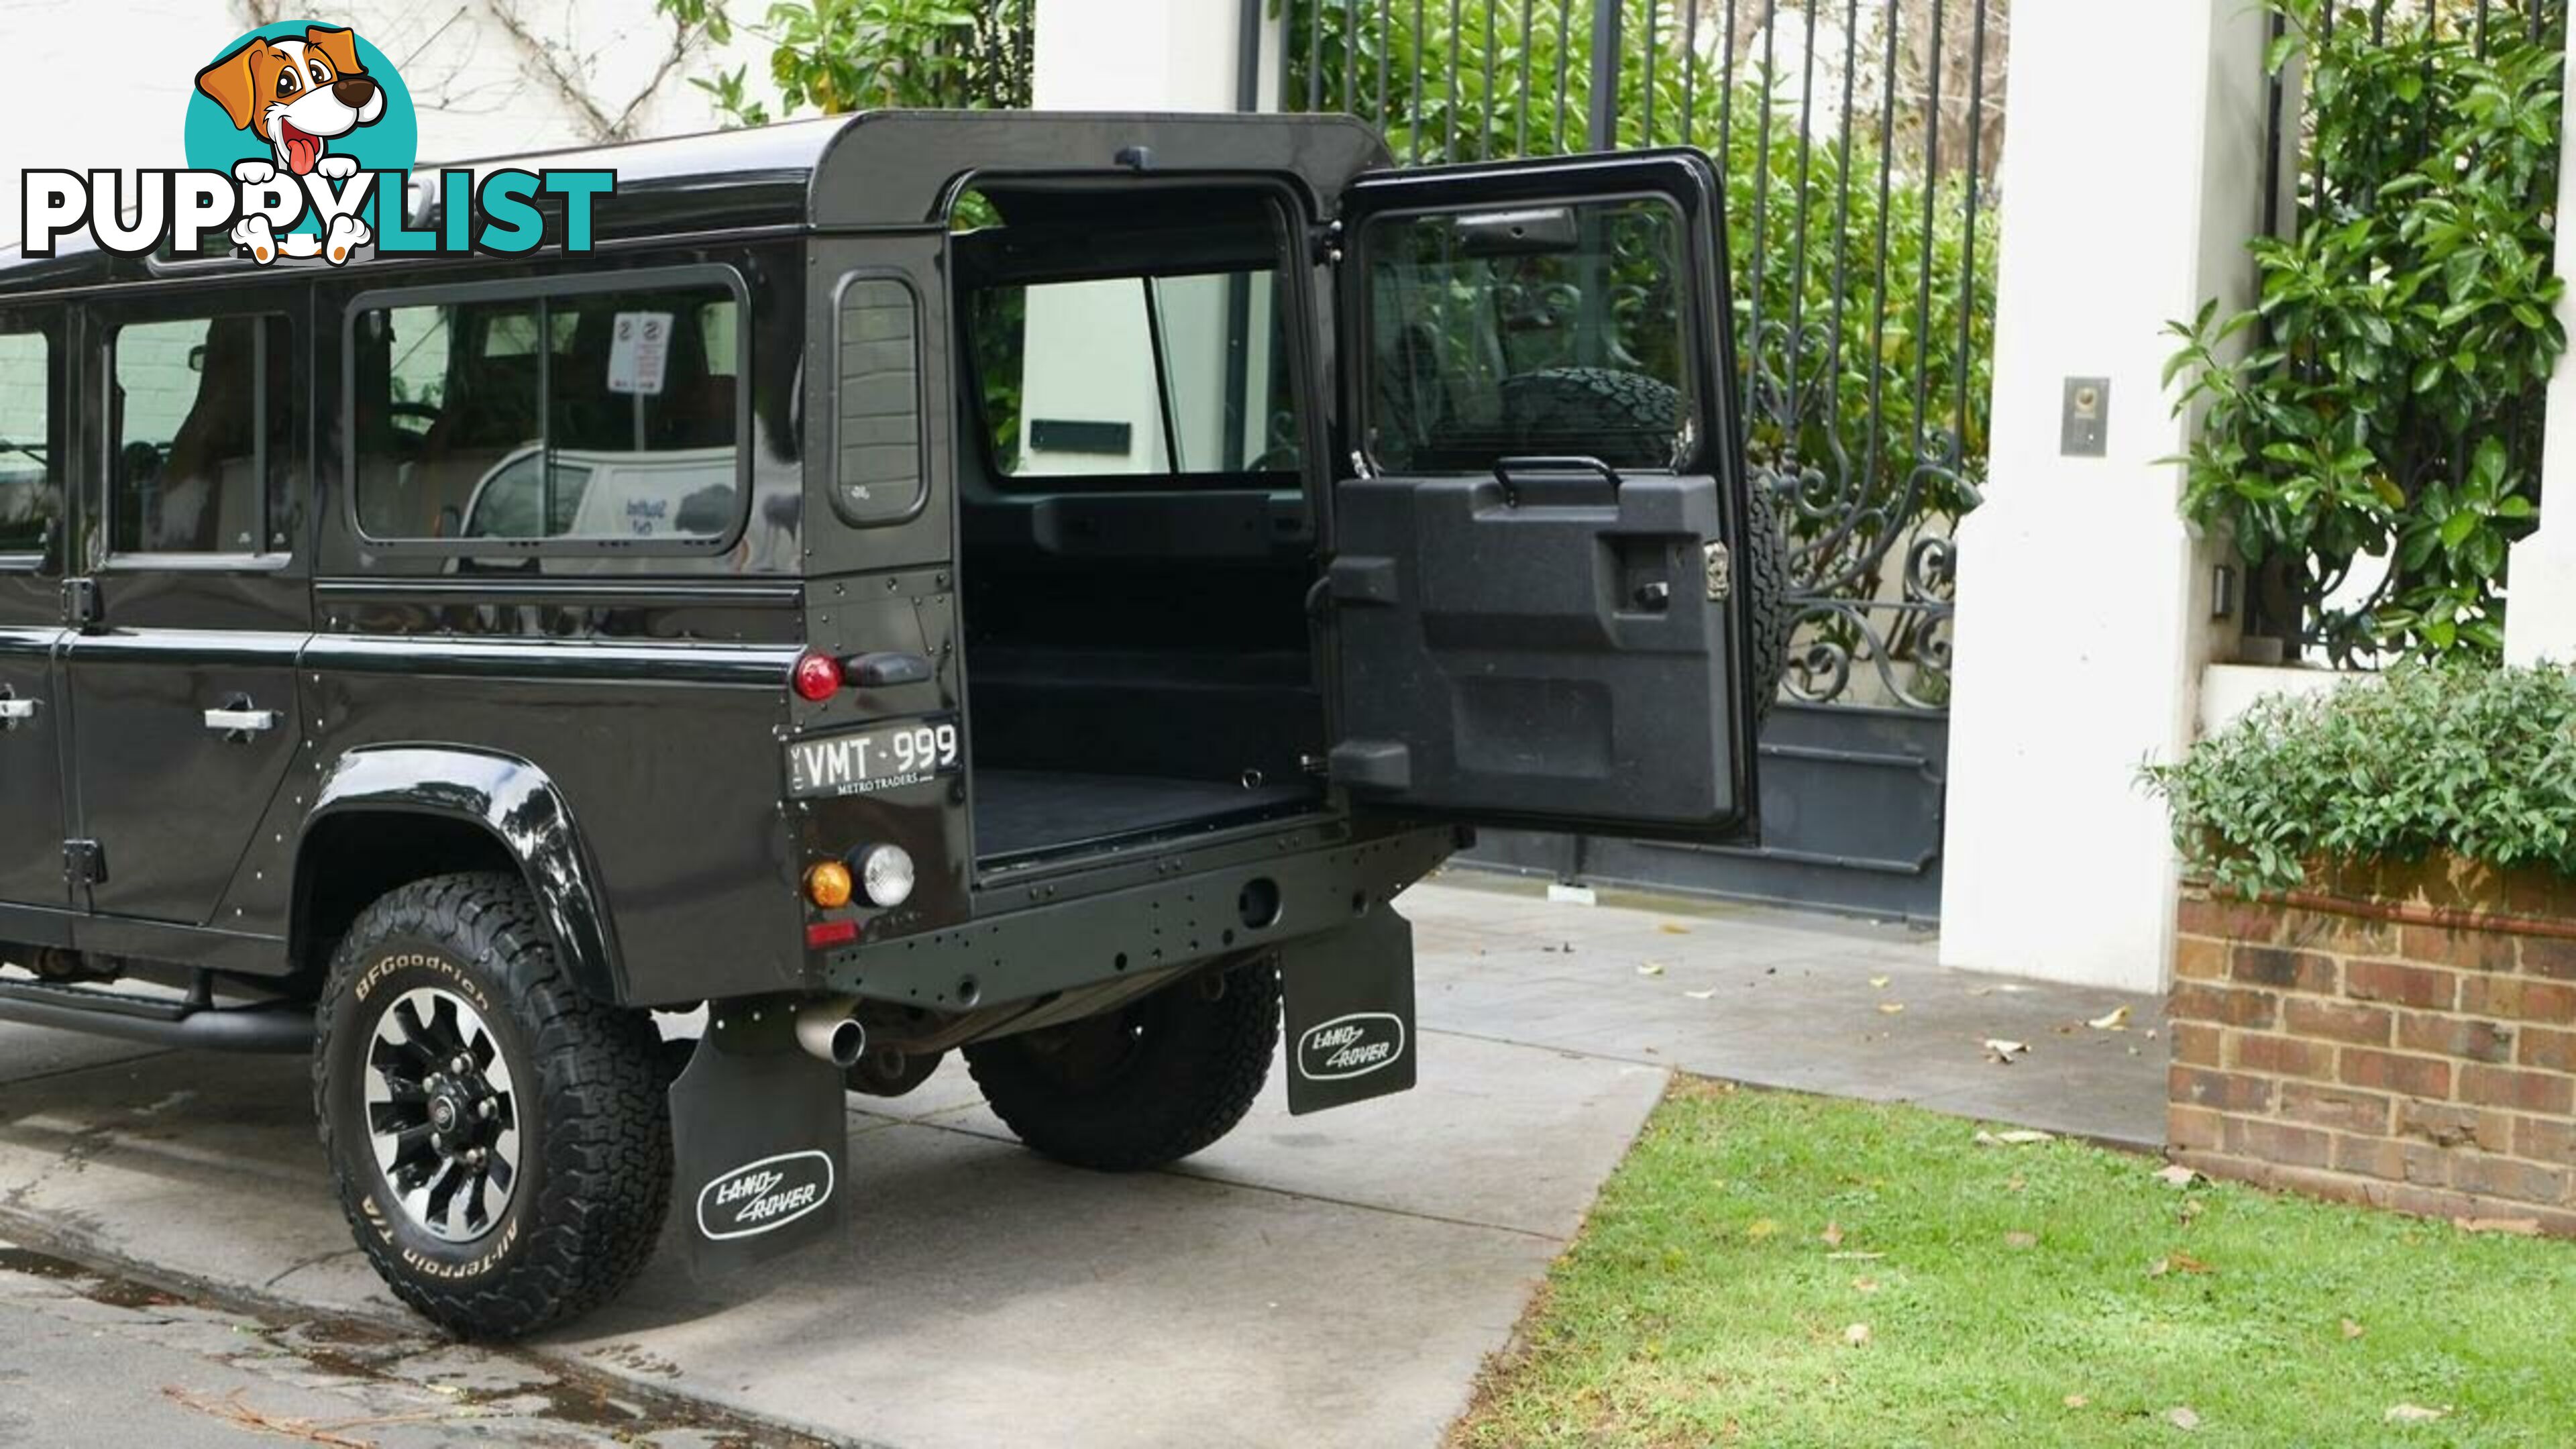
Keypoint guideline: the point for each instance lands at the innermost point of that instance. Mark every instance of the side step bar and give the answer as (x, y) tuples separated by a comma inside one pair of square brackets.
[(194, 1023)]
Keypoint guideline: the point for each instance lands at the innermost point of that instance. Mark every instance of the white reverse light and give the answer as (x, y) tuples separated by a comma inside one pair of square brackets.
[(885, 873)]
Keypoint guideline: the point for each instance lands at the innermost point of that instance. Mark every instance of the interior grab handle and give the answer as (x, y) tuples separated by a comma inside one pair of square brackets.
[(1518, 474)]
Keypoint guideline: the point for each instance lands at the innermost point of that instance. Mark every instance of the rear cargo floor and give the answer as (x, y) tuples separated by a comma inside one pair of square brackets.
[(1028, 812)]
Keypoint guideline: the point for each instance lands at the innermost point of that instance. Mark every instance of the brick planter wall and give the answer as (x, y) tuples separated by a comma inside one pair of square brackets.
[(2404, 1036)]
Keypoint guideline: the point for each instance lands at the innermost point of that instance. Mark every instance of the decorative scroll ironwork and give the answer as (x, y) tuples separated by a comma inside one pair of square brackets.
[(1858, 139)]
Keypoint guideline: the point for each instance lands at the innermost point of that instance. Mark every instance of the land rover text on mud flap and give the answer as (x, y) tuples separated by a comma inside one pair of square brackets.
[(1056, 582)]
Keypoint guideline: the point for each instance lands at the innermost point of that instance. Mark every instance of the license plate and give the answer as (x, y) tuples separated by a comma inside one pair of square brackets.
[(880, 757)]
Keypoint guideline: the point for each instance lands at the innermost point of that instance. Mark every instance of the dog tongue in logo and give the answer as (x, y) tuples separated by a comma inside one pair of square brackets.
[(302, 150)]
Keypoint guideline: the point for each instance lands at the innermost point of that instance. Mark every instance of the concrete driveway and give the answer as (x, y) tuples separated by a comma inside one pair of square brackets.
[(1332, 1279)]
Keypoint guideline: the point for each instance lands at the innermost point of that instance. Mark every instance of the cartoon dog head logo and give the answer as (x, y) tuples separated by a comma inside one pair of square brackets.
[(298, 95)]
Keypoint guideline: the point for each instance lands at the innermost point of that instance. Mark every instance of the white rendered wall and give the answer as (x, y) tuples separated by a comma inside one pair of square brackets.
[(2131, 185), (2540, 607)]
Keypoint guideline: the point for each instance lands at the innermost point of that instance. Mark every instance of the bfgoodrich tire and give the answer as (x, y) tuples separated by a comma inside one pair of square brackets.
[(1149, 1083), (499, 1141)]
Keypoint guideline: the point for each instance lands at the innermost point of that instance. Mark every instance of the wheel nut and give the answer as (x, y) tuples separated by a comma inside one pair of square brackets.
[(486, 1109), (459, 1066), (476, 1157)]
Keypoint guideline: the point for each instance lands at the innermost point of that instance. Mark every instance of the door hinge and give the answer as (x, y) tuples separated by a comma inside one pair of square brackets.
[(1328, 242), (80, 603), (84, 862), (1721, 571)]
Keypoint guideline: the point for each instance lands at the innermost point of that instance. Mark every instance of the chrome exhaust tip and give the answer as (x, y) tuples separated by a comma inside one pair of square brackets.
[(827, 1030)]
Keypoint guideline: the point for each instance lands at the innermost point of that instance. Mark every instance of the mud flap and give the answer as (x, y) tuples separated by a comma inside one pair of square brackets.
[(1350, 1012), (761, 1142)]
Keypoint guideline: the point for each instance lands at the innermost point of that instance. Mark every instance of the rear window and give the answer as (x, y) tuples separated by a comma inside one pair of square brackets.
[(1550, 330), (598, 416)]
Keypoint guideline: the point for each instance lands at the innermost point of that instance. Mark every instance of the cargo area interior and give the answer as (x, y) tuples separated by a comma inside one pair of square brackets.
[(1136, 545)]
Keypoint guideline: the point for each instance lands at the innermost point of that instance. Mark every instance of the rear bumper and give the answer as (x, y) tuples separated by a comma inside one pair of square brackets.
[(1203, 913)]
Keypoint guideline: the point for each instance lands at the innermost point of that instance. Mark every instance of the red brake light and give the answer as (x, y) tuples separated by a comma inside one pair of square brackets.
[(820, 934), (817, 677)]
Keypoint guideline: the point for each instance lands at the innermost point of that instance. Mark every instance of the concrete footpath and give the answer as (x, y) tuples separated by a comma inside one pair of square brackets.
[(1332, 1279)]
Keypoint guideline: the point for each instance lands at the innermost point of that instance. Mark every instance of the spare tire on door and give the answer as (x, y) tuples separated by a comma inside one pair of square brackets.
[(1613, 413)]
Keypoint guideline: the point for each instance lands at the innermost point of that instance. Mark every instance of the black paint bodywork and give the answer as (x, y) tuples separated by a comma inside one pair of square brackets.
[(608, 725)]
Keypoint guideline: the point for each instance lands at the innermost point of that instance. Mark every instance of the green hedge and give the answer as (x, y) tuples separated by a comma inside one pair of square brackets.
[(2477, 762)]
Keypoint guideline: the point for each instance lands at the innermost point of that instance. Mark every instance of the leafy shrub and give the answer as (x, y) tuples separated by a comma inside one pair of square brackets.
[(2389, 403), (2474, 761), (850, 55)]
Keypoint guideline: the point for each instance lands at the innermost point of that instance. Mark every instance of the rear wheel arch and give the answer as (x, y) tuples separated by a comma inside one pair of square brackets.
[(389, 816)]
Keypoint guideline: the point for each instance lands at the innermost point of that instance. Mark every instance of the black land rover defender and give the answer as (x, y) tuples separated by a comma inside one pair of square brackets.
[(1036, 587)]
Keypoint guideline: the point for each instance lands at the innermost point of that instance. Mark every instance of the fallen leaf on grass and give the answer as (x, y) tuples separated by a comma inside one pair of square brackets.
[(2519, 1227), (2177, 1175), (2018, 1137), (1999, 1050), (2021, 1240), (1856, 1335), (1851, 1255), (1701, 995), (1673, 928), (2178, 1263), (2412, 1414), (1832, 1236), (2116, 1019), (1650, 968), (1864, 1285), (1760, 1228), (2352, 1329), (2076, 1401), (1890, 1008), (1879, 981), (2182, 1418)]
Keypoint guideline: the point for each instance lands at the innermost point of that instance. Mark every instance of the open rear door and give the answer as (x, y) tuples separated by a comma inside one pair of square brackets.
[(1537, 612)]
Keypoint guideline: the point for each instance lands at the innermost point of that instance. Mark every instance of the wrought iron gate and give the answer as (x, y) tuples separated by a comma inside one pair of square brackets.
[(1857, 139)]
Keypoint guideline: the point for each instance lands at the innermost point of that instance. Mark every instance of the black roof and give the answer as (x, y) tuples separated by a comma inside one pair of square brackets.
[(877, 169)]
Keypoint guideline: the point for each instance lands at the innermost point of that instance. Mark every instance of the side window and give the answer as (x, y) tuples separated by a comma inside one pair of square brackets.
[(200, 413), (877, 423), (30, 453), (595, 416), (1546, 331)]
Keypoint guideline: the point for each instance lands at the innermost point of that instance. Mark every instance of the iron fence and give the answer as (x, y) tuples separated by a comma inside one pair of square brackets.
[(1858, 141)]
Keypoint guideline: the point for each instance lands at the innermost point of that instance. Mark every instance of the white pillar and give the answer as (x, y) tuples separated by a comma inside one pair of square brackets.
[(2540, 590), (1145, 55), (2131, 183)]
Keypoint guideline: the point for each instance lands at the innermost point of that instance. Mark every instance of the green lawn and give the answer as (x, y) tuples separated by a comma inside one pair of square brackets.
[(1768, 1269)]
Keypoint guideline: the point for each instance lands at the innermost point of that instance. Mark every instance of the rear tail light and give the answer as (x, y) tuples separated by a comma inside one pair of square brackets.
[(830, 933), (817, 677)]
